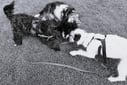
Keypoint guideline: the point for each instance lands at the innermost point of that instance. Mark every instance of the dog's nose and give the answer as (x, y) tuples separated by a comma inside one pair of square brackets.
[(77, 37)]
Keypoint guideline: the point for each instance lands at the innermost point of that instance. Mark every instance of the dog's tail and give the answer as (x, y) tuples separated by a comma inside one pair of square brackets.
[(8, 10)]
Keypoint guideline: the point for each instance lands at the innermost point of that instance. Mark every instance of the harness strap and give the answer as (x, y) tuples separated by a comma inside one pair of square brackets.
[(103, 48), (90, 41)]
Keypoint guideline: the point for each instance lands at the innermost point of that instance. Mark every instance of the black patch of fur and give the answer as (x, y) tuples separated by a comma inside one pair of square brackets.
[(77, 37), (67, 27)]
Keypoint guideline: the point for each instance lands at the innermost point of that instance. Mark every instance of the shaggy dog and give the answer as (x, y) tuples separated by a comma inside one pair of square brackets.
[(116, 48), (24, 24), (62, 14)]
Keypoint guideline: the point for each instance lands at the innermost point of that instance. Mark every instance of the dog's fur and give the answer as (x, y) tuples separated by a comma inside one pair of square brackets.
[(24, 24), (54, 38), (63, 14), (116, 48), (21, 23)]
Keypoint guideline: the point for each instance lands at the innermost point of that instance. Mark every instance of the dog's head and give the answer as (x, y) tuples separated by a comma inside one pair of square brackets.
[(70, 21), (78, 36)]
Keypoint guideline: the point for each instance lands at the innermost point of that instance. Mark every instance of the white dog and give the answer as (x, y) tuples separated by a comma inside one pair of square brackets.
[(116, 47)]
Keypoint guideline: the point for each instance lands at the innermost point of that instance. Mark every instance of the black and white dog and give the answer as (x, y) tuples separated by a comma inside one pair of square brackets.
[(24, 24), (116, 48), (64, 15)]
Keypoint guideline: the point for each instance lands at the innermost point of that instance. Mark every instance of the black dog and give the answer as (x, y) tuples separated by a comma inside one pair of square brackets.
[(24, 24), (21, 23), (61, 13)]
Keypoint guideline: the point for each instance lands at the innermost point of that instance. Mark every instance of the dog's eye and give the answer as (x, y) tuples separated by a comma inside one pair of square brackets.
[(77, 37)]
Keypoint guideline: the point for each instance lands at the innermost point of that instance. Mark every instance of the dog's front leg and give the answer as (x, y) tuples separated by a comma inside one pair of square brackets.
[(82, 53), (79, 52), (17, 37)]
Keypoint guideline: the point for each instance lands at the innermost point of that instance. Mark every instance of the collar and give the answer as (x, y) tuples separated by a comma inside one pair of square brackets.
[(90, 41)]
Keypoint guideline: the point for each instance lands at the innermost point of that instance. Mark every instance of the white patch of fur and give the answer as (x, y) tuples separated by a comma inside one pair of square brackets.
[(37, 15), (65, 36), (34, 25), (47, 16), (116, 47), (74, 17), (58, 10)]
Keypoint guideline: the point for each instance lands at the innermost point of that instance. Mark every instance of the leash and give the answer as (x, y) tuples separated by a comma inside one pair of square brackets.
[(45, 36), (67, 66)]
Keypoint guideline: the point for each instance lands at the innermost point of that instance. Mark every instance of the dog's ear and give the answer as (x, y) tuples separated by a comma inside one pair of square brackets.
[(77, 37)]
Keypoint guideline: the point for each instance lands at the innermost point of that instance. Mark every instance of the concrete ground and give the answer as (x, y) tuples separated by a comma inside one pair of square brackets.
[(34, 63)]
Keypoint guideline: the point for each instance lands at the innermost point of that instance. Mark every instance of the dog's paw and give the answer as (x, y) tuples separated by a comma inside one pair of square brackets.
[(15, 45), (114, 79), (73, 53)]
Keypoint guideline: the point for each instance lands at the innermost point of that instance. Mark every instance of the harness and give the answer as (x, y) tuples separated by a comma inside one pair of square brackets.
[(103, 44)]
